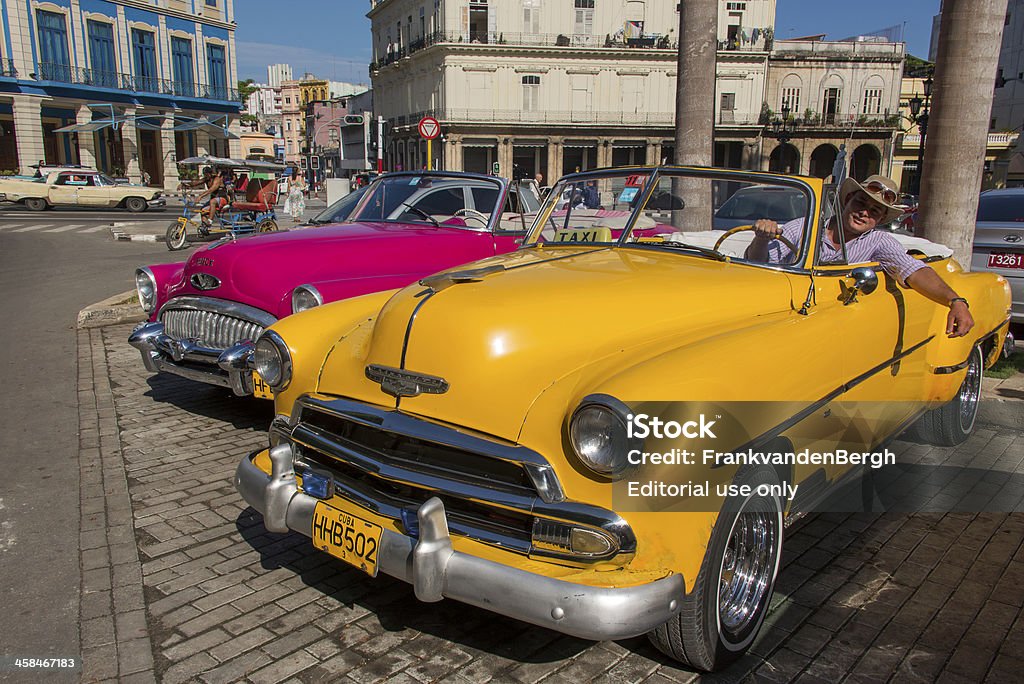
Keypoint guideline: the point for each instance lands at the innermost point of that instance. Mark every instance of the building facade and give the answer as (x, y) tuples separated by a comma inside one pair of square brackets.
[(549, 88), (293, 122), (278, 74), (127, 86), (264, 103), (843, 100)]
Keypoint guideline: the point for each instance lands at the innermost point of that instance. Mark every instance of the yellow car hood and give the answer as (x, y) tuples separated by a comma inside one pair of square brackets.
[(501, 338)]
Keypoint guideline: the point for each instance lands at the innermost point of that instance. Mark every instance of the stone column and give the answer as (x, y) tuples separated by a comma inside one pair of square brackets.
[(653, 155), (28, 131), (86, 139), (750, 157), (235, 146), (202, 143), (505, 156), (554, 161), (130, 145), (170, 159), (453, 153), (604, 152)]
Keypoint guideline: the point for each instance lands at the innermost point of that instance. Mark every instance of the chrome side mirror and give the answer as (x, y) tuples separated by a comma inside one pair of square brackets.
[(865, 281)]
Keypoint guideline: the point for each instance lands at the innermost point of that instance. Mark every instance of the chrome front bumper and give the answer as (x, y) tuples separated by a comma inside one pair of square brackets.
[(437, 571), (162, 353), (157, 202)]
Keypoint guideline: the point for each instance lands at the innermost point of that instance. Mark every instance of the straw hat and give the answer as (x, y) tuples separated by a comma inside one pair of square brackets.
[(874, 187)]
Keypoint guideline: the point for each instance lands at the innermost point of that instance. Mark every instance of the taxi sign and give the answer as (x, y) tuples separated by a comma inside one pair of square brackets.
[(429, 128)]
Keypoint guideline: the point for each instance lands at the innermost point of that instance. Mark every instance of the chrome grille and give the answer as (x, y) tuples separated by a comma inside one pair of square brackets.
[(211, 329)]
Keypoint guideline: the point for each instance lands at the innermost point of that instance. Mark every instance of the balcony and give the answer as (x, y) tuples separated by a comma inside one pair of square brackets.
[(804, 49), (996, 141), (63, 73), (7, 68), (500, 38), (518, 116)]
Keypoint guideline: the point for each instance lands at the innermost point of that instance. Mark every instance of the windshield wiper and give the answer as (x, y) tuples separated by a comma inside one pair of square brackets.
[(706, 251), (422, 213)]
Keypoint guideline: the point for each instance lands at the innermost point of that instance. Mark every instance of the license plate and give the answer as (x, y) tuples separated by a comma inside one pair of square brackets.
[(260, 389), (346, 536), (1005, 260)]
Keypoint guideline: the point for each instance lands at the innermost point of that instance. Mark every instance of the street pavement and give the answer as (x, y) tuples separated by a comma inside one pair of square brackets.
[(17, 219), (46, 278), (181, 582)]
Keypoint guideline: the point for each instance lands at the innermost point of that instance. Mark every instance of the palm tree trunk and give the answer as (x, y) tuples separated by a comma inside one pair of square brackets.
[(695, 106), (957, 135)]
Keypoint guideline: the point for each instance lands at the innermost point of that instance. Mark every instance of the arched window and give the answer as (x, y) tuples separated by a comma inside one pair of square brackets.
[(789, 94), (874, 88)]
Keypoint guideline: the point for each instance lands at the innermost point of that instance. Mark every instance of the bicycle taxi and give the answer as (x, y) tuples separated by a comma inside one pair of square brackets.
[(251, 197)]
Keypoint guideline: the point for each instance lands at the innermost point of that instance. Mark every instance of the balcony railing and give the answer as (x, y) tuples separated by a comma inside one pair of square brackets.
[(517, 116), (801, 48), (7, 68), (995, 140), (500, 38), (64, 73)]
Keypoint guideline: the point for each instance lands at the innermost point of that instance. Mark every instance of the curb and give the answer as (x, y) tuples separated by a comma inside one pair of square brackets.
[(1001, 412), (110, 311), (1002, 403), (129, 237)]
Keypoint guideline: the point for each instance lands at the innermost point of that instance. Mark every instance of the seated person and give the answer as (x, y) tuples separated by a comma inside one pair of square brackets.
[(211, 199), (865, 206)]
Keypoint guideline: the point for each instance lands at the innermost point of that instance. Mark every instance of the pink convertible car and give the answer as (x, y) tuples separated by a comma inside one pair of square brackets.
[(205, 313)]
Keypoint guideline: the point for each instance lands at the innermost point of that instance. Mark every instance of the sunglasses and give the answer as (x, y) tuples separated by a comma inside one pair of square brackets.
[(887, 194)]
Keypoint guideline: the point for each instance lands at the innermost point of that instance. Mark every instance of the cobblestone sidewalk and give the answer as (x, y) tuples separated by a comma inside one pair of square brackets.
[(181, 582)]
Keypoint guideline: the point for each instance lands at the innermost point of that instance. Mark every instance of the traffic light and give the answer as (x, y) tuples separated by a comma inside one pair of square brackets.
[(314, 162), (353, 119)]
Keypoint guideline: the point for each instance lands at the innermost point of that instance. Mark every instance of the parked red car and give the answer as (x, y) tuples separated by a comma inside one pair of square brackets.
[(205, 313)]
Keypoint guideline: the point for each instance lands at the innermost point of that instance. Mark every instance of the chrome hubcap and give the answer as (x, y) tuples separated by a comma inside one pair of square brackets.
[(748, 566), (970, 392)]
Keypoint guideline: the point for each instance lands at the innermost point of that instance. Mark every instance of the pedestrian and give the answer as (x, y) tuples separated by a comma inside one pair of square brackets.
[(295, 205)]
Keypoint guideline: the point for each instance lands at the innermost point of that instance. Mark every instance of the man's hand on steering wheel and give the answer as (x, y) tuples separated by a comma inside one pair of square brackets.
[(766, 230)]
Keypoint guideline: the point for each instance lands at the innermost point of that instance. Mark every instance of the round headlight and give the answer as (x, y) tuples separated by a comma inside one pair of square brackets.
[(273, 361), (598, 435), (145, 285), (305, 297)]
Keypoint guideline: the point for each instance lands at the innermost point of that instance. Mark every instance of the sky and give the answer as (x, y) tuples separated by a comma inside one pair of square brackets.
[(331, 38)]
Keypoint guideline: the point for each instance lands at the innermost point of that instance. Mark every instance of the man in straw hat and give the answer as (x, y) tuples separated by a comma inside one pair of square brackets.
[(864, 207)]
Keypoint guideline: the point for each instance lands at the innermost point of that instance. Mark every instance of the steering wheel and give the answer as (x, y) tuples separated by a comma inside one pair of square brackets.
[(739, 229), (473, 214)]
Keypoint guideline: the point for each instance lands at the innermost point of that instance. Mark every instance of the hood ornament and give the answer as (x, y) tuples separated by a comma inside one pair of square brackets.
[(467, 275), (1012, 237), (204, 281), (402, 383)]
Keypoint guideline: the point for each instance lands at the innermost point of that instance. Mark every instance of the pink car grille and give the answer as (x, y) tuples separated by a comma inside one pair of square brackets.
[(210, 329)]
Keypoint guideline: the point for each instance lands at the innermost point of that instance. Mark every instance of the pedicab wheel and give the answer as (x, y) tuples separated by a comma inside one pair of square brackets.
[(266, 226), (175, 236), (723, 613)]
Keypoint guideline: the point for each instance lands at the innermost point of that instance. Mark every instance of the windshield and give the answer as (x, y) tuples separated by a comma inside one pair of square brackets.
[(1003, 208), (463, 201), (708, 213), (340, 210)]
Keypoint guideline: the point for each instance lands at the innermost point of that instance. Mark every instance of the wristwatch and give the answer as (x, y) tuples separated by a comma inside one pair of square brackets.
[(960, 299)]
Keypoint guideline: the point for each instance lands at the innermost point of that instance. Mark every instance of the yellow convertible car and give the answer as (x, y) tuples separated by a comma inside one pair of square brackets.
[(606, 431)]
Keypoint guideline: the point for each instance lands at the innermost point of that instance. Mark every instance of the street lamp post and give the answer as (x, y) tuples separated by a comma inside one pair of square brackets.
[(783, 129), (919, 115)]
